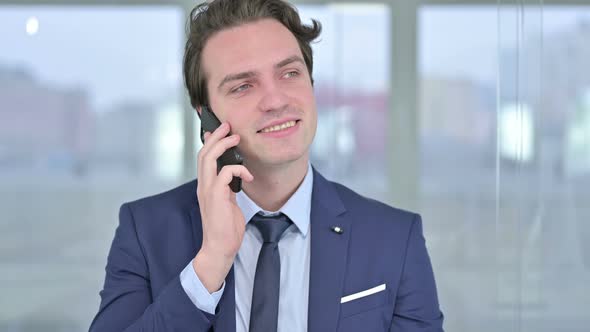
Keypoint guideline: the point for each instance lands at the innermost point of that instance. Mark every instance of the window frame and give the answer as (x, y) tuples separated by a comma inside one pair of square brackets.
[(403, 138)]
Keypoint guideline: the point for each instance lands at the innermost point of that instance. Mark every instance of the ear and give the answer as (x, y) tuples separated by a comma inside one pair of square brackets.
[(199, 109)]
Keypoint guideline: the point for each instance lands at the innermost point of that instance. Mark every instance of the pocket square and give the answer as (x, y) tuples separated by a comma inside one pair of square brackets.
[(364, 293)]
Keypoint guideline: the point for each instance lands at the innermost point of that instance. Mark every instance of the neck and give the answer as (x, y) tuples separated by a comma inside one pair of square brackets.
[(273, 186)]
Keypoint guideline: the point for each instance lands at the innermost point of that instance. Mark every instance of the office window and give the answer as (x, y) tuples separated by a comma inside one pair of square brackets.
[(351, 71), (504, 141), (90, 117)]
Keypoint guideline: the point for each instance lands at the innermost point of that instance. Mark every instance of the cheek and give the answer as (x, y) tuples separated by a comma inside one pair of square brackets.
[(302, 97), (232, 111), (240, 122), (306, 92), (310, 106)]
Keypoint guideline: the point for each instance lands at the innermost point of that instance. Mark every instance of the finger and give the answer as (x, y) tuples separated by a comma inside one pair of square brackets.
[(209, 158), (200, 158), (210, 139), (217, 134), (229, 171), (232, 197), (200, 154)]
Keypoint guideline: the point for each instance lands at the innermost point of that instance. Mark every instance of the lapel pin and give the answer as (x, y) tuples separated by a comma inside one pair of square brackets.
[(337, 230)]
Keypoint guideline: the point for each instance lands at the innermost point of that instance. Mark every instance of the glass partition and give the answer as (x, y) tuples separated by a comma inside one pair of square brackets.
[(90, 117), (503, 99)]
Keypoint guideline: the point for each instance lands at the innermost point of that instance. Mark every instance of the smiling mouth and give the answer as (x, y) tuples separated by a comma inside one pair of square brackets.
[(279, 127)]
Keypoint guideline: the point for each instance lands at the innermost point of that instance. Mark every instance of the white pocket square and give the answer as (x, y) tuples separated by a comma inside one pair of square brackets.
[(364, 293)]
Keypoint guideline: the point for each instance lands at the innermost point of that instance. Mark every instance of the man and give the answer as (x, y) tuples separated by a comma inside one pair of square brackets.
[(291, 251)]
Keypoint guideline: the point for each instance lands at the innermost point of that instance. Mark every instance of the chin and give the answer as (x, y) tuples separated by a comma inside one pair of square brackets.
[(281, 159)]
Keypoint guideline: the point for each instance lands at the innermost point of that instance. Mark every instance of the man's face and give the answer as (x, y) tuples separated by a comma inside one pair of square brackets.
[(257, 80)]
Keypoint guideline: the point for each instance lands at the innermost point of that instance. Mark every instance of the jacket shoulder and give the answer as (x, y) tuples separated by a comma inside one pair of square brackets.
[(181, 198), (371, 208)]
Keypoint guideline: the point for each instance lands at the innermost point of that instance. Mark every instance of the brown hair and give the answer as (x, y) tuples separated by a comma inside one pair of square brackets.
[(210, 17)]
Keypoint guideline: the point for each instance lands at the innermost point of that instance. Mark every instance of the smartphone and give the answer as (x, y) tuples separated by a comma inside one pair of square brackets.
[(209, 122)]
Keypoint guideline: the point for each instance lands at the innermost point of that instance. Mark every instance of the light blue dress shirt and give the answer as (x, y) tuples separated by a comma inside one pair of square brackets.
[(294, 250)]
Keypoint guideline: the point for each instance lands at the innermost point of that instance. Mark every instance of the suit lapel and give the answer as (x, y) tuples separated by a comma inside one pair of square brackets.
[(329, 252), (226, 320)]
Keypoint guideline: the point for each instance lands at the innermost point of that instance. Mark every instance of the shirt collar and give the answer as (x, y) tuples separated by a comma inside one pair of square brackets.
[(297, 208)]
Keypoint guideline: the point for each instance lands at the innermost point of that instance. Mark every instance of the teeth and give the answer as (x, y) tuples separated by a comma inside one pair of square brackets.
[(285, 125)]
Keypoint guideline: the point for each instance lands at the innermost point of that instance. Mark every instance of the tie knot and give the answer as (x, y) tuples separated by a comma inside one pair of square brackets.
[(272, 227)]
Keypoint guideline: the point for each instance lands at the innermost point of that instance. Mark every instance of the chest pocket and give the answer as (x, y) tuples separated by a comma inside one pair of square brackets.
[(372, 312), (366, 300)]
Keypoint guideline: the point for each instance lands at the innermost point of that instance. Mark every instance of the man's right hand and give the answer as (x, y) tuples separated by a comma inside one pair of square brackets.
[(222, 220)]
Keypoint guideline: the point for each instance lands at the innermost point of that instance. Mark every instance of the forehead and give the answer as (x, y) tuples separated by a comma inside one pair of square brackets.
[(251, 46)]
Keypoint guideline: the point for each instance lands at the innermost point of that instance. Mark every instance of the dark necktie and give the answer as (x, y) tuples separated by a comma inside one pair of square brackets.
[(265, 297)]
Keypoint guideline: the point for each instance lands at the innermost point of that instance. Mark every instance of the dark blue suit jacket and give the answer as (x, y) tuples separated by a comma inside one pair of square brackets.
[(158, 236)]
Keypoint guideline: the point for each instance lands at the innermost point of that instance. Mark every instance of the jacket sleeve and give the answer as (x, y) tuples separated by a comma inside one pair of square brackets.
[(416, 304), (127, 303)]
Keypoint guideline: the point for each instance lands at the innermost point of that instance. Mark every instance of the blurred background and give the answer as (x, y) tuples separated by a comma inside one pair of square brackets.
[(474, 113)]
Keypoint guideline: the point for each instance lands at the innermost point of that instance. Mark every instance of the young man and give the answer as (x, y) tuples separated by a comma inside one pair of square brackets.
[(291, 251)]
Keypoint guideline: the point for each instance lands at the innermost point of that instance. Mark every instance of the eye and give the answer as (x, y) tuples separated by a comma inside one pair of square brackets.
[(240, 88), (291, 74)]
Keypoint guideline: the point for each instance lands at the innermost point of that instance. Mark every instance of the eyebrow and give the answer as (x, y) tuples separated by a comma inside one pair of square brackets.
[(250, 74), (289, 60), (235, 77)]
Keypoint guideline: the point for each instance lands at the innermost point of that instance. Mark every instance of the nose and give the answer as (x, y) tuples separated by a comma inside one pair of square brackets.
[(273, 97)]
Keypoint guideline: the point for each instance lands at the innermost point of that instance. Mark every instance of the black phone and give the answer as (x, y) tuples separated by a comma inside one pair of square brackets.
[(209, 122)]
